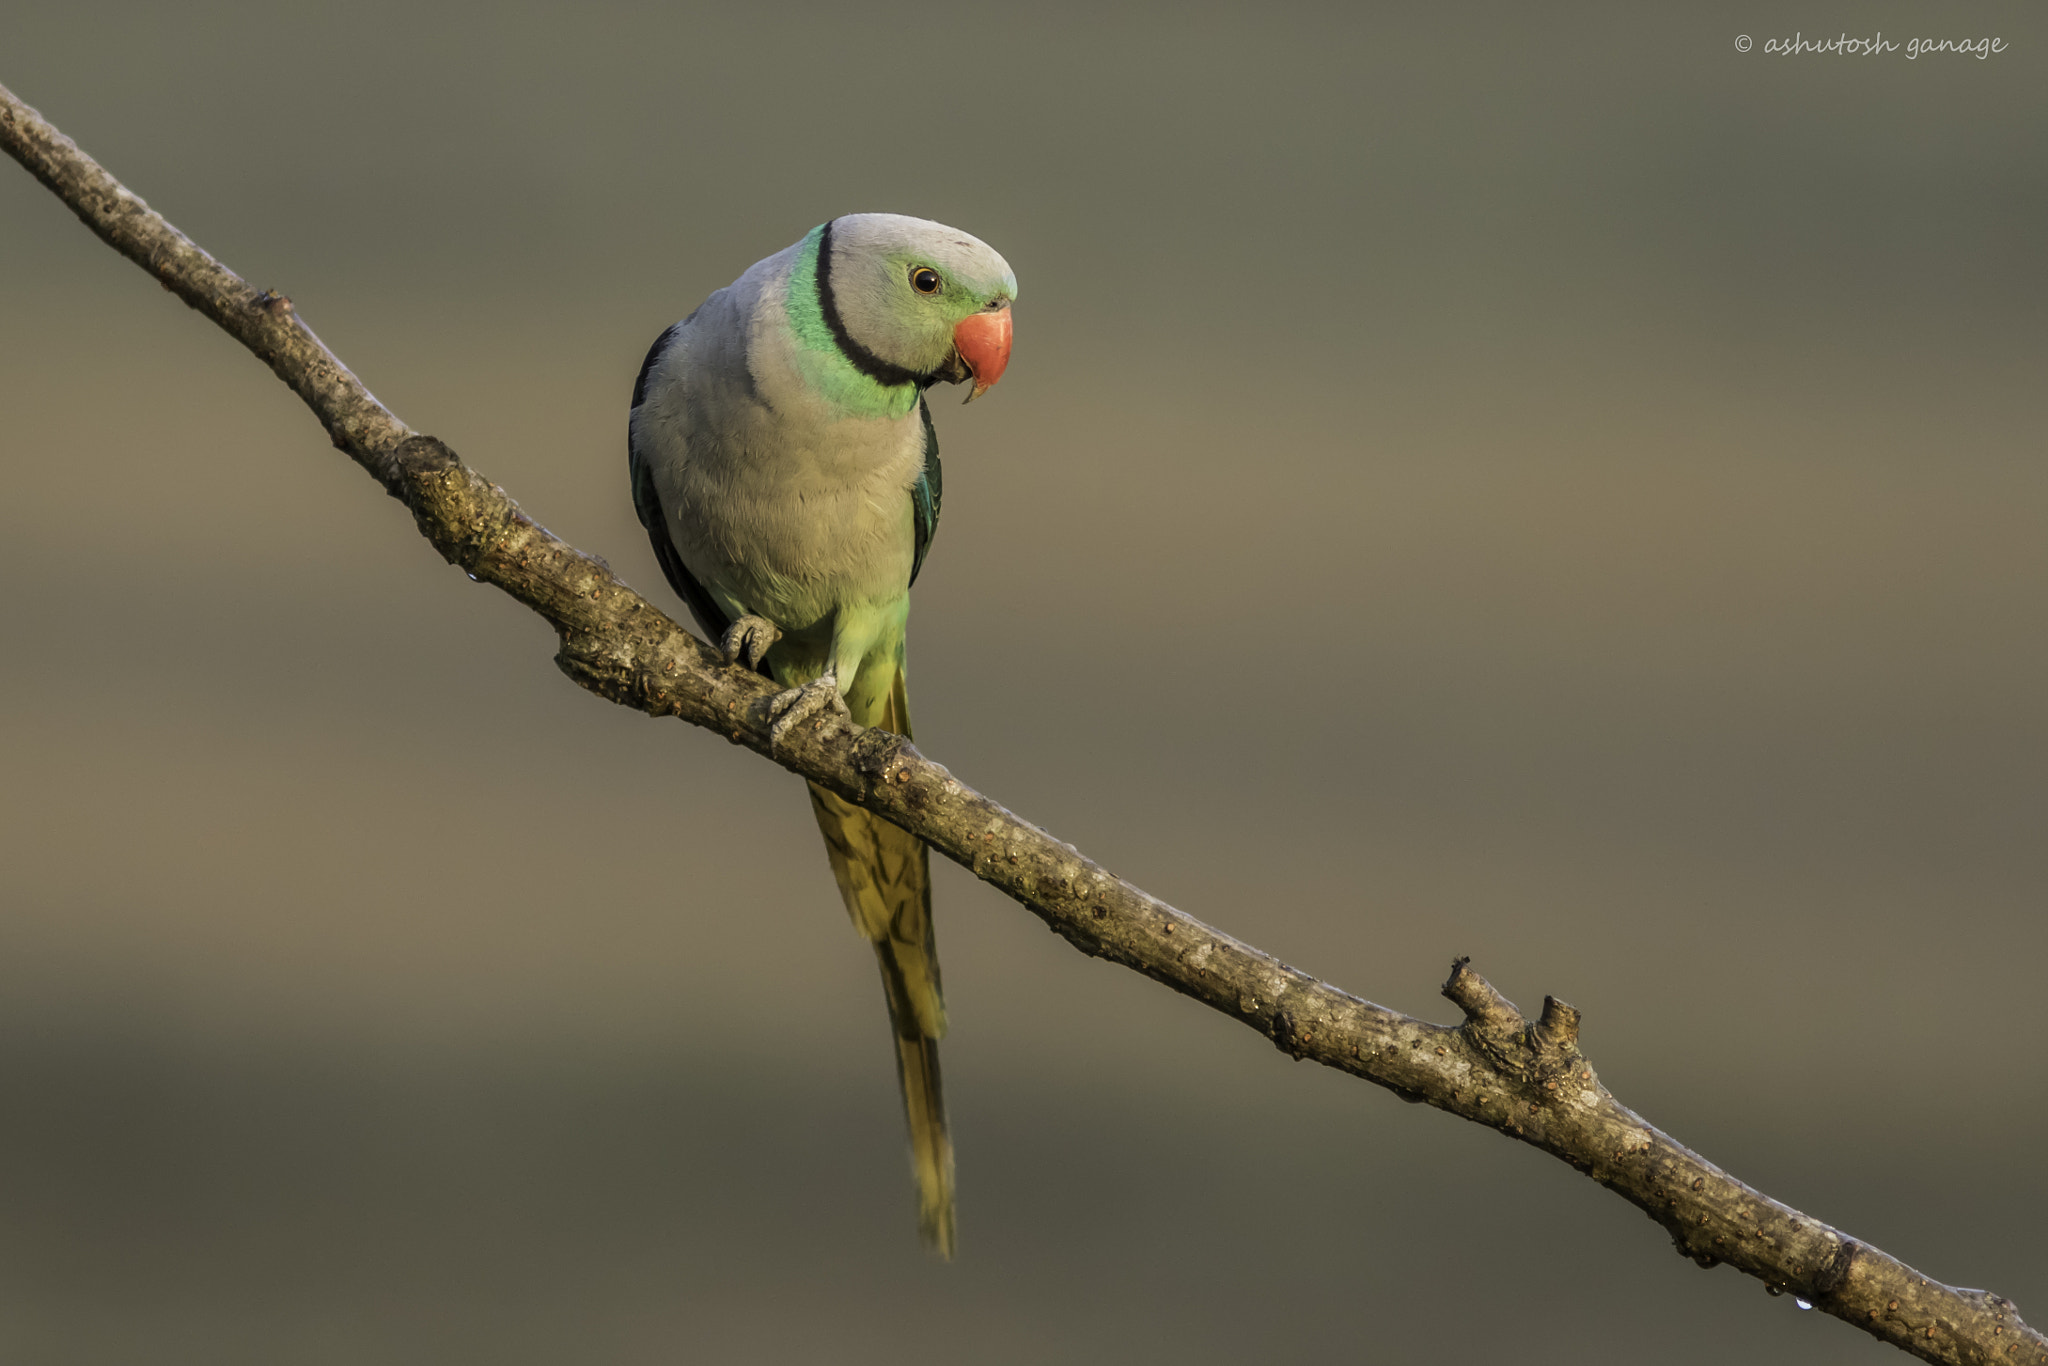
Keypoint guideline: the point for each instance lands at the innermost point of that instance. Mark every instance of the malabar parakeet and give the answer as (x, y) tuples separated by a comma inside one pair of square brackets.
[(786, 469)]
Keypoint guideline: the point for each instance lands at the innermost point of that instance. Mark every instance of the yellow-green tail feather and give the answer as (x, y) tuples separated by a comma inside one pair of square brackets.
[(884, 873)]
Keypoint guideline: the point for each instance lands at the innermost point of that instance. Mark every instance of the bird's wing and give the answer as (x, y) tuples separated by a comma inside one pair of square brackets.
[(926, 493), (711, 618)]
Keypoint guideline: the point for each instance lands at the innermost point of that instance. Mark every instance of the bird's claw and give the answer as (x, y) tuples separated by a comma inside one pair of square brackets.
[(790, 709), (747, 640)]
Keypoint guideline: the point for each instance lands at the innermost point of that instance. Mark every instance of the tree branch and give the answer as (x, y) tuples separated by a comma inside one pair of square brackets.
[(1527, 1080)]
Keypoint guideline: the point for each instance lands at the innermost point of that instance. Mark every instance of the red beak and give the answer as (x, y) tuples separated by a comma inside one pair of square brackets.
[(983, 341)]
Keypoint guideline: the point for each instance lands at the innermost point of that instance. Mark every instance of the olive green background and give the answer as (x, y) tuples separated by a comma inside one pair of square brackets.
[(1549, 487)]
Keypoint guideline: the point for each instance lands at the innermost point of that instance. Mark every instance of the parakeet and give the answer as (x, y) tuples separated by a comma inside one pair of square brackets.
[(785, 466)]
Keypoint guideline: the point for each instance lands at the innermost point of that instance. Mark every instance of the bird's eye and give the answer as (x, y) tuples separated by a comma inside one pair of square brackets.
[(925, 280)]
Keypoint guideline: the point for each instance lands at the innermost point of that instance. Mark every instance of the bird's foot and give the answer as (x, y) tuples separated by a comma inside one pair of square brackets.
[(747, 639), (788, 710)]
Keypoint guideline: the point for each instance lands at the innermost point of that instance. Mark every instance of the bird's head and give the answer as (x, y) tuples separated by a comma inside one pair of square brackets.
[(918, 296)]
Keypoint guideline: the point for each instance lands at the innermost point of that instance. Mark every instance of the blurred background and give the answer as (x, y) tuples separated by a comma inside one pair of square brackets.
[(1632, 447)]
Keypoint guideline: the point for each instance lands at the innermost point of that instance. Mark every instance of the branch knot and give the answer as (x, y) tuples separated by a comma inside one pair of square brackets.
[(1493, 1025), (458, 510)]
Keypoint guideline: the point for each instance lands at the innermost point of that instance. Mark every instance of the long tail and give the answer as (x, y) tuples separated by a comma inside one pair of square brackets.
[(884, 873)]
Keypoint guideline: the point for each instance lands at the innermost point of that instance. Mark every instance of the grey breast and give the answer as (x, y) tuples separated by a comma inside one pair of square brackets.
[(776, 502)]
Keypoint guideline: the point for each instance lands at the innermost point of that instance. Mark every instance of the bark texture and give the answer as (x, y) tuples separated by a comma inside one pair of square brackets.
[(1525, 1078)]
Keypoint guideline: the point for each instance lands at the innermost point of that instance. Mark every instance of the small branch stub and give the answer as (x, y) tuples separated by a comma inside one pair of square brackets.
[(1497, 1029), (1559, 1028)]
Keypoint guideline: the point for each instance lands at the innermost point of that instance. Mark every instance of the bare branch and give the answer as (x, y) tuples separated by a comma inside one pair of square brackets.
[(1527, 1080)]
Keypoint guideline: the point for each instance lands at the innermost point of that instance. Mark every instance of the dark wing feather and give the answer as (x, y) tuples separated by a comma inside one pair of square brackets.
[(926, 494), (711, 618)]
